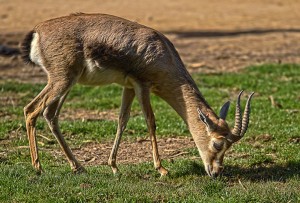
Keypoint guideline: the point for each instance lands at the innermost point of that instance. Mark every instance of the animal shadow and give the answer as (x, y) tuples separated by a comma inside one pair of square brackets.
[(261, 173), (273, 172)]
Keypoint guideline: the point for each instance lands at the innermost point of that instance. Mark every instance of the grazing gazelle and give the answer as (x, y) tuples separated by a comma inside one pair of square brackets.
[(99, 49)]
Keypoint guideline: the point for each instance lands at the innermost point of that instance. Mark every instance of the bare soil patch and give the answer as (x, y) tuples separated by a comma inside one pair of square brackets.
[(131, 151), (89, 115), (200, 54)]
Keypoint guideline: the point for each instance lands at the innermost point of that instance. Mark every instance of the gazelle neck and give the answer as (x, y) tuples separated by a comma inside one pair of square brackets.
[(185, 98)]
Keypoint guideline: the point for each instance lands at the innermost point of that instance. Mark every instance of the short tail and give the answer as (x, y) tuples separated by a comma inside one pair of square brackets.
[(26, 47)]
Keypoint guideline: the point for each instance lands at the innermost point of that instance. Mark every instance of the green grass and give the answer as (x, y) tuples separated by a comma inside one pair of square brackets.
[(263, 167)]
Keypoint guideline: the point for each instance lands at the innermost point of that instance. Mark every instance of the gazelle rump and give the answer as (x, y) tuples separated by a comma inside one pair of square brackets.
[(99, 49)]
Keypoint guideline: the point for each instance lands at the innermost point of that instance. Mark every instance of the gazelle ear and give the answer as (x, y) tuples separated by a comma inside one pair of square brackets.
[(206, 120), (224, 110)]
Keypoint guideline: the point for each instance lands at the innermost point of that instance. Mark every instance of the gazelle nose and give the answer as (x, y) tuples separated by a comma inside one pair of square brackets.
[(214, 172)]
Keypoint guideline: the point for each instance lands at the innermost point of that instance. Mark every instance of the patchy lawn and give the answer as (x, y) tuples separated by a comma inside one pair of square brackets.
[(262, 167)]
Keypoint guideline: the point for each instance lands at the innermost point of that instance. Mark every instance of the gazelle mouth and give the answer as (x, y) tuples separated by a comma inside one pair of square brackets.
[(208, 170), (211, 173)]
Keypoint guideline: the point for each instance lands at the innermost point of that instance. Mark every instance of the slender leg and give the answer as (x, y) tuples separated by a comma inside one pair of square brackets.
[(127, 98), (51, 115), (143, 95), (30, 118), (50, 94)]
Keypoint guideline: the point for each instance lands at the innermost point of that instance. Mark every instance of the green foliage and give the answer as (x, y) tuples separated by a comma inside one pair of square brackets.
[(262, 167)]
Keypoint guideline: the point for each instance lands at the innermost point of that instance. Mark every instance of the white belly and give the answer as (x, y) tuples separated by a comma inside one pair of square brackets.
[(94, 74)]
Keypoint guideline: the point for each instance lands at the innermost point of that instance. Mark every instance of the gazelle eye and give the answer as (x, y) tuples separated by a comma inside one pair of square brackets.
[(218, 146)]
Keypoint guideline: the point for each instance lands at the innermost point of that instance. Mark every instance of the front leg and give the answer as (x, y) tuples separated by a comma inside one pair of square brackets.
[(143, 95), (127, 98)]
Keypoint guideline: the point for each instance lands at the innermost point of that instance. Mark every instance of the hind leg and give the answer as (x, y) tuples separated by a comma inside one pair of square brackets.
[(50, 94), (51, 115)]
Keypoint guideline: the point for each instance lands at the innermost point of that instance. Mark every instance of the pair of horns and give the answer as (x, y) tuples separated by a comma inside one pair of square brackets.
[(241, 123)]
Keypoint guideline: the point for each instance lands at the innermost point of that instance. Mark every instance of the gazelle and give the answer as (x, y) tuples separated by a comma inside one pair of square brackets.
[(99, 49)]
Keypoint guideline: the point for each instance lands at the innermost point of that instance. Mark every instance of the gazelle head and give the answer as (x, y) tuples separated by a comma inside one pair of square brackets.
[(220, 137)]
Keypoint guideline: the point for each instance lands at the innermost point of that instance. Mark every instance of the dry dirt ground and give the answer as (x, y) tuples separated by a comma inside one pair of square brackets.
[(211, 36)]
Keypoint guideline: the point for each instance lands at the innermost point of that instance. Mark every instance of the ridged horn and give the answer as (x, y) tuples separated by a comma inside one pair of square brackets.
[(246, 116), (238, 117)]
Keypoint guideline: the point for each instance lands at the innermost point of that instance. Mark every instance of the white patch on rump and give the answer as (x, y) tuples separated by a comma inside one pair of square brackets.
[(35, 52)]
